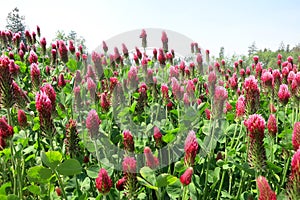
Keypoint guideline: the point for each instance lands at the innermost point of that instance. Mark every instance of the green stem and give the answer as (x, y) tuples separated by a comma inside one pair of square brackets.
[(221, 185), (285, 171), (234, 135), (240, 132), (240, 185), (13, 167), (184, 192), (169, 158), (13, 162), (230, 181), (61, 185), (20, 180), (97, 153), (271, 139), (206, 177)]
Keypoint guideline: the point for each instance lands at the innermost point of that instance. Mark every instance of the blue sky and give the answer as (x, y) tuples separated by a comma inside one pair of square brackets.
[(234, 24)]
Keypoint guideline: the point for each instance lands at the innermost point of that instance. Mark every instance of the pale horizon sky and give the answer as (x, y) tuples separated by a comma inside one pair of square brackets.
[(233, 24)]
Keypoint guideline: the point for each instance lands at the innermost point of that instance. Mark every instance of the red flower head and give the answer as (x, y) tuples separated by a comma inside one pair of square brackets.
[(128, 141), (143, 35), (164, 91), (190, 148), (255, 59), (35, 75), (2, 143), (104, 101), (58, 191), (63, 51), (284, 94), (228, 106), (5, 129), (38, 30), (174, 72), (133, 77), (242, 73), (71, 47), (258, 70), (49, 91), (207, 113), (53, 53), (43, 44), (186, 99), (28, 37), (91, 86), (291, 76), (22, 119), (220, 97), (92, 124), (290, 59), (265, 191), (255, 125), (138, 53), (120, 185), (61, 81), (19, 96), (157, 136), (44, 107), (296, 136), (267, 80), (272, 125), (223, 62), (199, 60), (212, 80), (53, 46), (176, 89), (186, 177), (14, 69), (233, 81), (103, 182), (277, 77), (129, 165), (151, 160), (155, 53), (33, 37), (117, 56), (90, 73), (190, 88), (164, 39), (252, 93), (293, 184), (279, 56), (104, 46), (161, 57), (113, 82), (33, 58), (77, 55)]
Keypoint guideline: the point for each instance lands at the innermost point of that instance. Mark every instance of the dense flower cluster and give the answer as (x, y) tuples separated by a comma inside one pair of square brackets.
[(255, 125), (252, 94), (265, 191), (190, 148), (92, 124), (103, 182)]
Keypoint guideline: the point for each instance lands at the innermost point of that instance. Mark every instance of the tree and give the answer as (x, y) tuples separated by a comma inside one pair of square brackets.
[(72, 35), (281, 46), (252, 49), (287, 48), (221, 53), (15, 22), (296, 48)]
